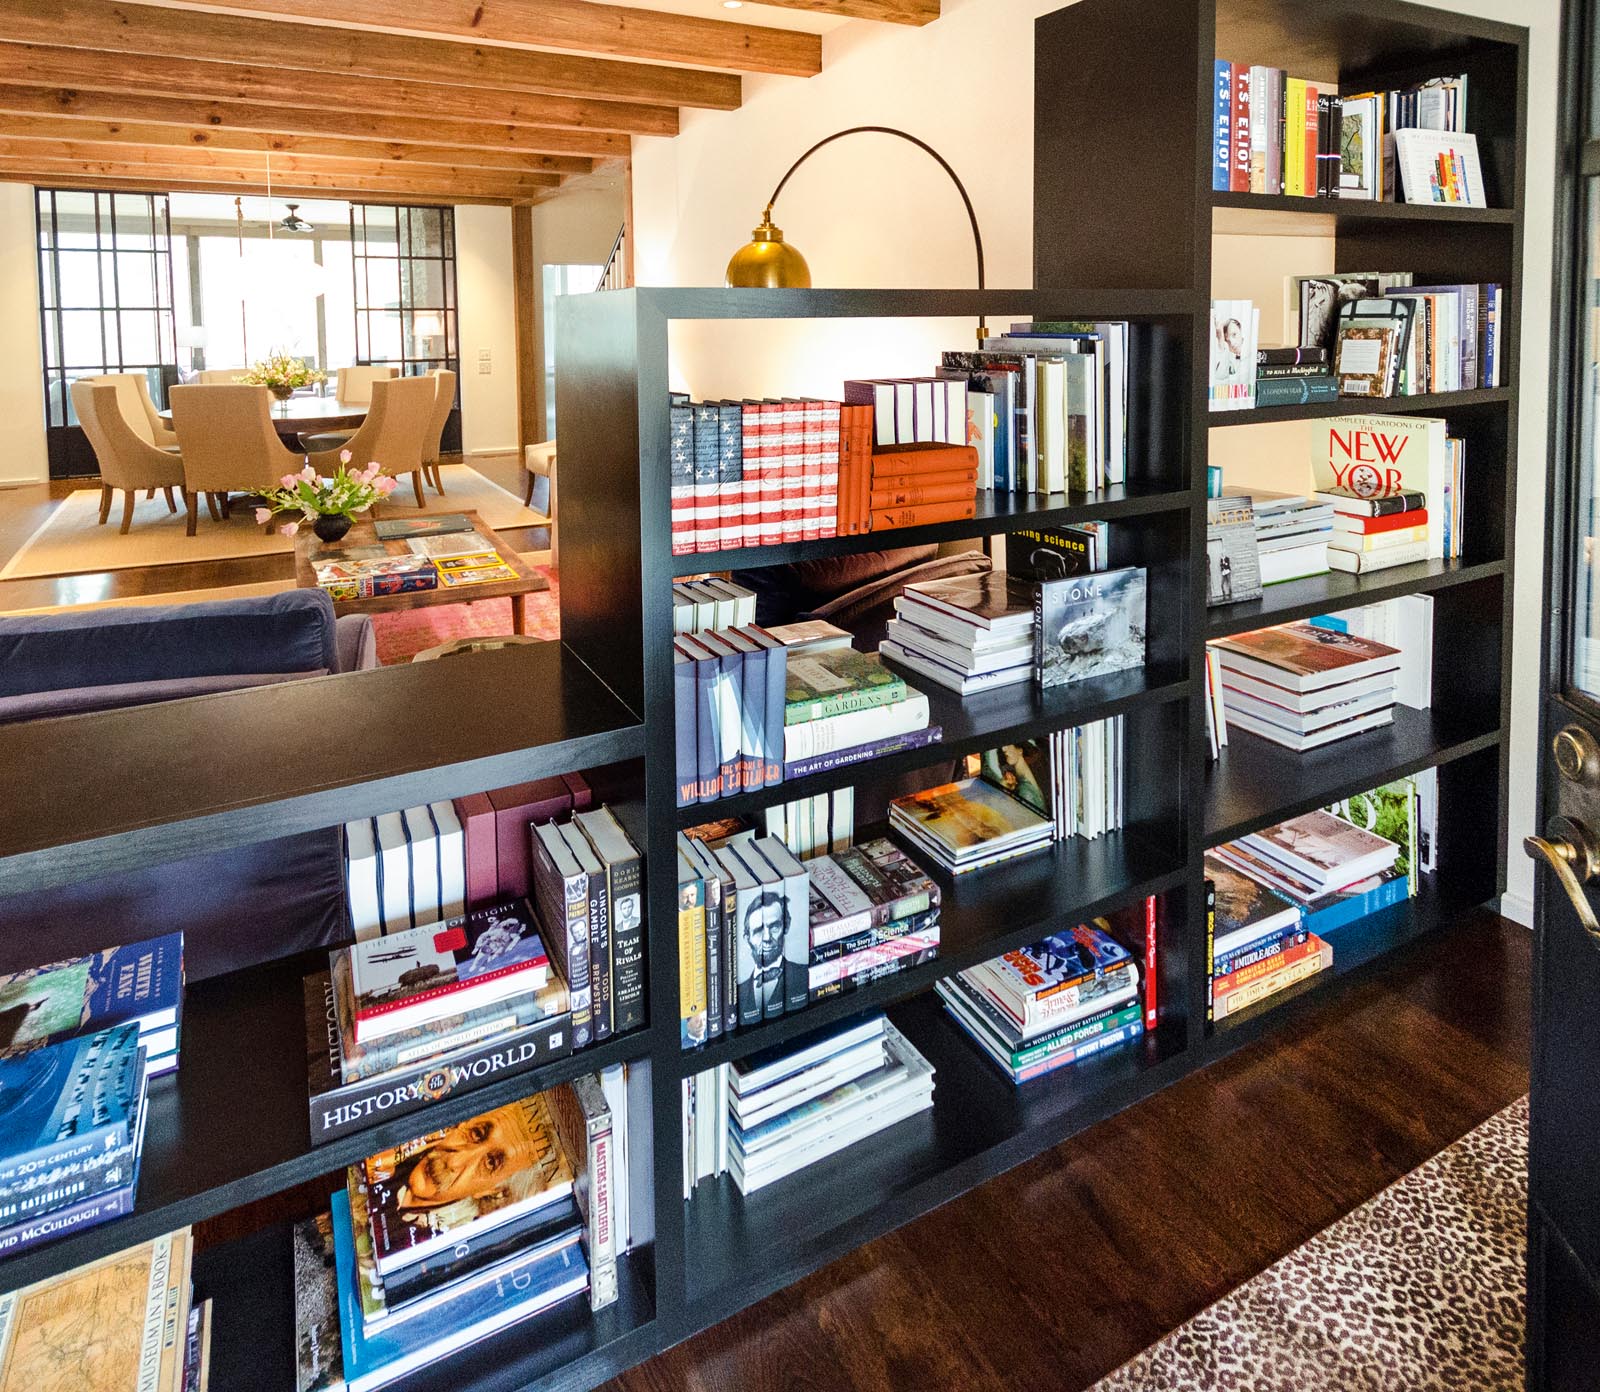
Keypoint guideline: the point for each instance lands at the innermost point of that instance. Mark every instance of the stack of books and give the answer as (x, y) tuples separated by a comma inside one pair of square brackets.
[(1333, 871), (1256, 945), (778, 1111), (1045, 1006), (1302, 686), (762, 934), (126, 1321), (967, 633), (750, 712), (709, 604), (353, 576), (442, 1241), (1294, 377), (1293, 533), (1405, 623), (1395, 483), (588, 884), (83, 1038), (969, 824), (914, 484), (476, 999)]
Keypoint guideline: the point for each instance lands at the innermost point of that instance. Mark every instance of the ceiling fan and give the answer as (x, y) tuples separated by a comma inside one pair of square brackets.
[(293, 222)]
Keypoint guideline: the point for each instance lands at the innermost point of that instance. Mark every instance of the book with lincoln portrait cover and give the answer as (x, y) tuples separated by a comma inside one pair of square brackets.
[(424, 1194)]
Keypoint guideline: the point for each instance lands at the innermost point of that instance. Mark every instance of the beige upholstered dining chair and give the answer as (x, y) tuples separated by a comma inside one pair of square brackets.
[(354, 384), (133, 397), (444, 400), (218, 376), (540, 463), (229, 445), (126, 461), (394, 432)]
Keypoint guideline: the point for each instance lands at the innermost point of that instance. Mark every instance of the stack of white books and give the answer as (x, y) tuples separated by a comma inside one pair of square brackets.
[(1302, 686), (1292, 535), (967, 633)]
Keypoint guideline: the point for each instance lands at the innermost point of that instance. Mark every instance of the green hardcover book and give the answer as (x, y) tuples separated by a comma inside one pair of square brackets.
[(835, 682)]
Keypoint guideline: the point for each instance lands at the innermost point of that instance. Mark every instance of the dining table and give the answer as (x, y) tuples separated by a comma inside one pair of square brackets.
[(306, 415)]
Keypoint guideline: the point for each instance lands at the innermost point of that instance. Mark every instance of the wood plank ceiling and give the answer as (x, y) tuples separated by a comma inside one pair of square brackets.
[(457, 101)]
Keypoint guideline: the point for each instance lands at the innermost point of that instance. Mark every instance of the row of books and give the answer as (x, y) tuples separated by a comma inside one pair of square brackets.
[(776, 1112), (711, 603), (126, 1321), (1064, 998), (1073, 777), (751, 711), (439, 1242), (1275, 898), (429, 863), (82, 1041), (1276, 134), (763, 934)]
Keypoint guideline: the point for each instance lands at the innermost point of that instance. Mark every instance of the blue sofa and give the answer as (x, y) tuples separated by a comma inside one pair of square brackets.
[(235, 907)]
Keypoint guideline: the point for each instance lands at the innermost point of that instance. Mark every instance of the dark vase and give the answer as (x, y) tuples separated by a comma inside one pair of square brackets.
[(281, 393), (332, 526)]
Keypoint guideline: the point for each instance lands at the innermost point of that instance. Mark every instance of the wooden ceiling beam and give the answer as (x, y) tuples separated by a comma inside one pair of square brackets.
[(111, 26), (576, 25), (38, 65), (252, 164), (441, 184), (56, 179), (883, 11), (243, 118), (108, 137)]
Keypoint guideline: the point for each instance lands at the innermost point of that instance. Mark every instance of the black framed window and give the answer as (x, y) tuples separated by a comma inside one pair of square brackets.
[(404, 264), (105, 302)]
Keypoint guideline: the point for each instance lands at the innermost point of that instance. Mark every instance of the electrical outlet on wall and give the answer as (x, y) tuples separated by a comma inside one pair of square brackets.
[(485, 365)]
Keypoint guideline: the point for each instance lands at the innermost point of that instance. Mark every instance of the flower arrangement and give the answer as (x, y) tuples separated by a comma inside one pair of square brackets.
[(315, 497), (281, 373)]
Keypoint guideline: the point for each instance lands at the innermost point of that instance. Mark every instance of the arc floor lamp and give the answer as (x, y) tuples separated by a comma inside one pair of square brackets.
[(769, 262)]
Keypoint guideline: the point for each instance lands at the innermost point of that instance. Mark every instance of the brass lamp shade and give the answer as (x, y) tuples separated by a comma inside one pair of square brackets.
[(768, 262)]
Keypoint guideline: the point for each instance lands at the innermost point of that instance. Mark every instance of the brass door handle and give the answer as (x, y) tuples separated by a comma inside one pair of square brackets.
[(1570, 850)]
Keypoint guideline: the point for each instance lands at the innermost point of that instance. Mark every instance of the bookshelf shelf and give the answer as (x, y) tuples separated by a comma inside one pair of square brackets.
[(1429, 404), (1261, 214), (995, 512), (250, 1281), (1256, 782), (198, 1161), (1317, 594), (145, 790), (985, 913), (980, 722)]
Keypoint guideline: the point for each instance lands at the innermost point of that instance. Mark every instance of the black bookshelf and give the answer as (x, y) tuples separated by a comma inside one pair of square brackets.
[(1122, 100)]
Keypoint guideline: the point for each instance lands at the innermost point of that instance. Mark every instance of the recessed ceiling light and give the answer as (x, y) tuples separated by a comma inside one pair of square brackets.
[(733, 4)]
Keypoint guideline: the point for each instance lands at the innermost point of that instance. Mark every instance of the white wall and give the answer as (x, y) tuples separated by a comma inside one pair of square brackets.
[(22, 446), (873, 211), (487, 321)]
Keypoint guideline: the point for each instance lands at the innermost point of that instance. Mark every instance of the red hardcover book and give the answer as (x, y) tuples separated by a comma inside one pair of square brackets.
[(1356, 522), (476, 814), (582, 793), (915, 495), (887, 519), (792, 452), (750, 491), (1239, 124), (832, 426), (940, 479), (1150, 961), (1312, 128), (515, 809), (770, 514), (810, 470)]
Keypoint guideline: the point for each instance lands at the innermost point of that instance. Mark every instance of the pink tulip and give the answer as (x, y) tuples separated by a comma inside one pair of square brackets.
[(385, 485), (345, 456), (290, 528), (263, 515), (290, 481), (308, 474)]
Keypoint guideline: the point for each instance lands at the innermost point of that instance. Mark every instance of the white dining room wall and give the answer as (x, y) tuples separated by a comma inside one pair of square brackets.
[(873, 211), (22, 441), (487, 324)]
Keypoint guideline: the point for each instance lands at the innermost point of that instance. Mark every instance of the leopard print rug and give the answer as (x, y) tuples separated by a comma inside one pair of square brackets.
[(1421, 1288)]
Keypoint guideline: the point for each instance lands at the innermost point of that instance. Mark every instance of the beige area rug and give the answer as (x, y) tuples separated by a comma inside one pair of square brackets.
[(71, 541), (1418, 1290)]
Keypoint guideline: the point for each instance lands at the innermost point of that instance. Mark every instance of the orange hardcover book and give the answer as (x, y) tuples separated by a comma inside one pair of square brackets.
[(939, 479), (915, 495), (925, 459), (887, 519), (855, 433)]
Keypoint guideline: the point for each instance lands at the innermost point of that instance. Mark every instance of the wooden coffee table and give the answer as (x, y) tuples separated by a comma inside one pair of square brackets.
[(308, 547)]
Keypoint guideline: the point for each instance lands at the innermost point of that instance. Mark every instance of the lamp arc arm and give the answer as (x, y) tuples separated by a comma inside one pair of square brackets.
[(944, 164)]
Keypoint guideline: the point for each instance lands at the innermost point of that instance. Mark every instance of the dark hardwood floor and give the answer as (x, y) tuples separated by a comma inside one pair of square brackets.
[(1051, 1276)]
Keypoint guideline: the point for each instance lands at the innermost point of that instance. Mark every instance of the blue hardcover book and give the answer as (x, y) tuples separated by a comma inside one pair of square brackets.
[(372, 1360), (68, 1101), (1331, 911), (752, 696), (85, 1213), (730, 704), (141, 983), (707, 719), (1221, 128), (860, 753), (685, 725), (777, 677)]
